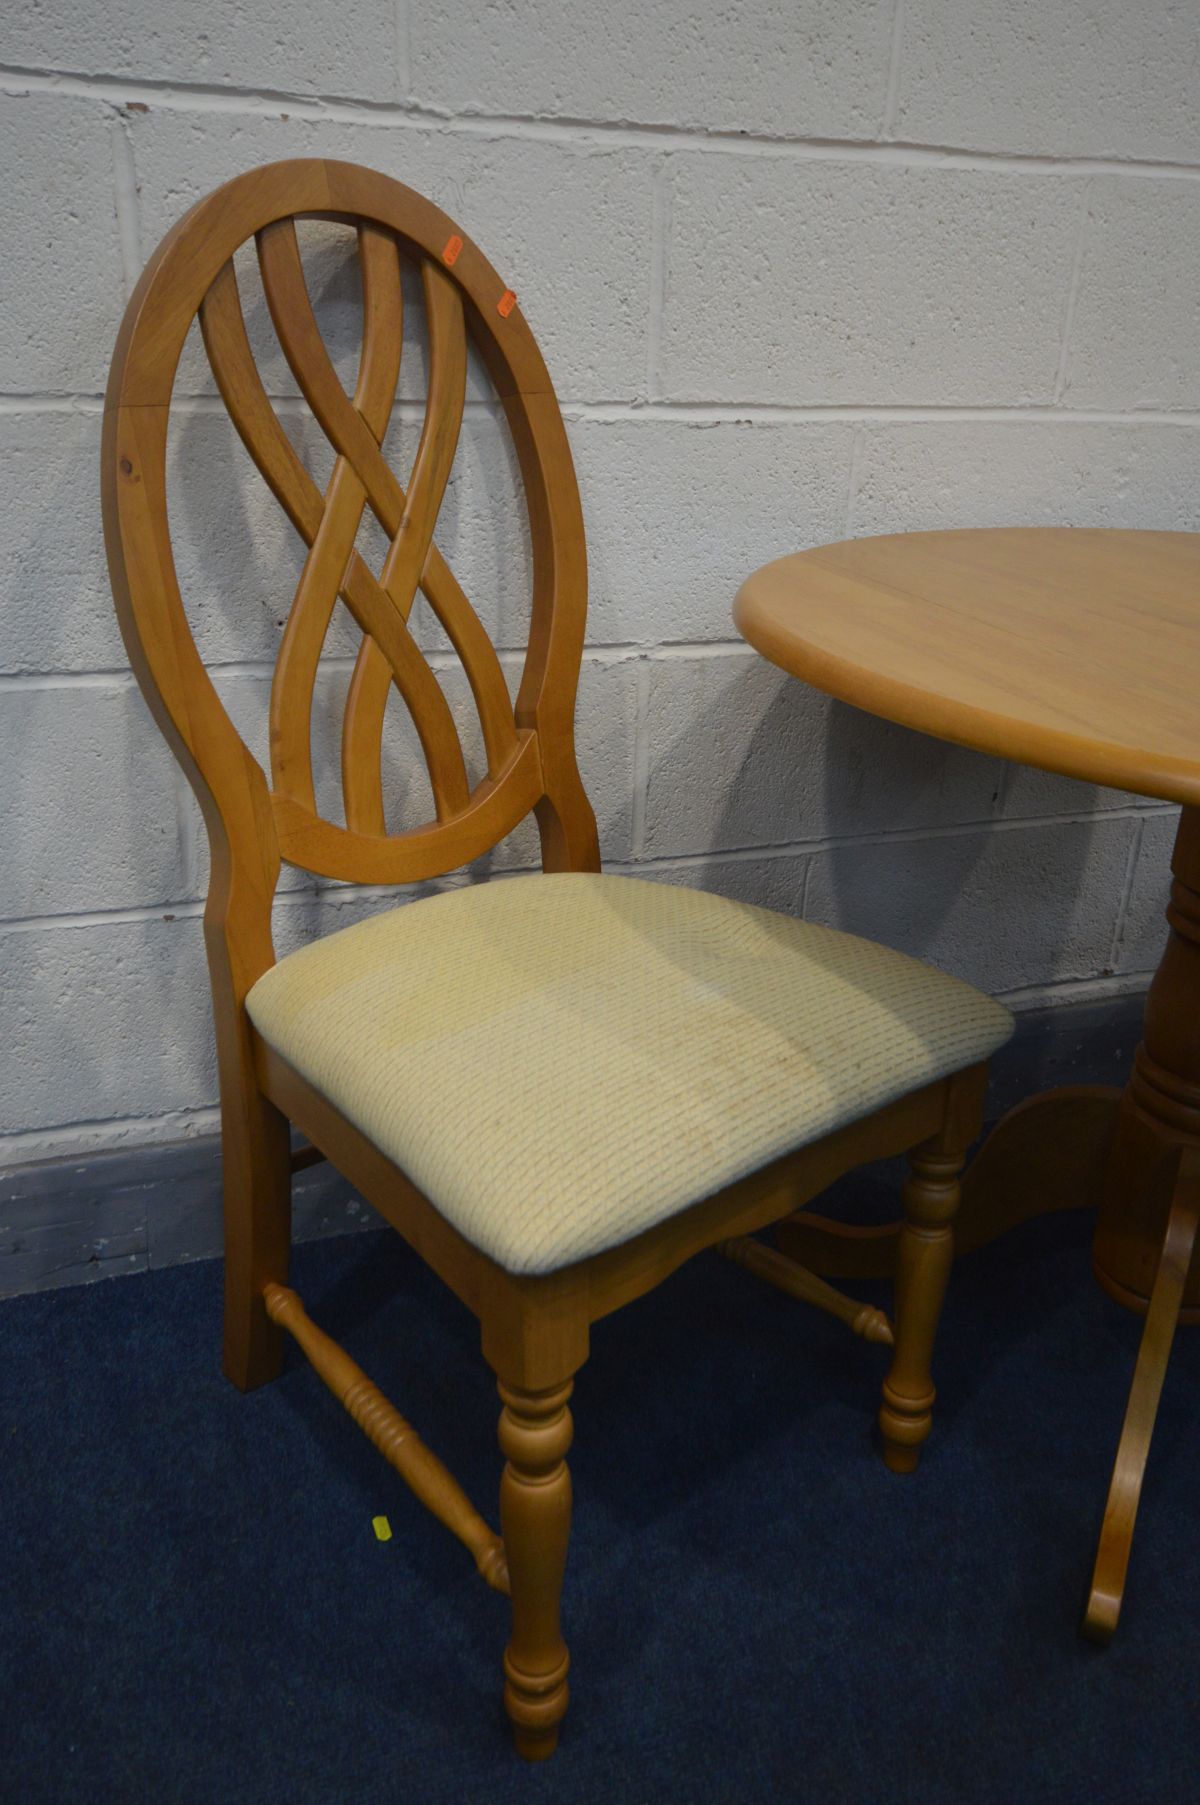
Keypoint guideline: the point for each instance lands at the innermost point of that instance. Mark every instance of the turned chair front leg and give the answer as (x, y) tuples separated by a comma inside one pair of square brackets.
[(924, 1258), (535, 1522)]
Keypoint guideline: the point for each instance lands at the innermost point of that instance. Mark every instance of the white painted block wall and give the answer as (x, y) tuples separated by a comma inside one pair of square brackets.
[(800, 268)]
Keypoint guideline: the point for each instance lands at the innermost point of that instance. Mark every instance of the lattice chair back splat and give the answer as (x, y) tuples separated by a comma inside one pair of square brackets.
[(255, 820)]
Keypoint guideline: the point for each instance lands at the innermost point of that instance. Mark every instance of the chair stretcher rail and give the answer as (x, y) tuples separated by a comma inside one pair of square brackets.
[(788, 1275), (398, 1442), (305, 1156)]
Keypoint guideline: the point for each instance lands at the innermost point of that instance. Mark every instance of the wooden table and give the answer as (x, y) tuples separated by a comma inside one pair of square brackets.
[(1077, 651)]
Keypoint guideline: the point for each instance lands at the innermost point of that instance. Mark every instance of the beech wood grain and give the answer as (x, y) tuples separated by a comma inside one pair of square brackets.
[(1071, 648)]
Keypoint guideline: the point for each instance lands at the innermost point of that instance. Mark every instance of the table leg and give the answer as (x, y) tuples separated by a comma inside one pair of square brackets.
[(1116, 1535), (1160, 1110)]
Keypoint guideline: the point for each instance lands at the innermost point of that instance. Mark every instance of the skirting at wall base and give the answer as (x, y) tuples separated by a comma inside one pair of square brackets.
[(71, 1221)]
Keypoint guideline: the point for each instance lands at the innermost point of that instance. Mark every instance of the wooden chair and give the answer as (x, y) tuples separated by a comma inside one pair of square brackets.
[(557, 1087)]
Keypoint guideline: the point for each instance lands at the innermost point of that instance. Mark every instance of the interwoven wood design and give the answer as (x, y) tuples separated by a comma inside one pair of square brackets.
[(529, 748), (329, 523)]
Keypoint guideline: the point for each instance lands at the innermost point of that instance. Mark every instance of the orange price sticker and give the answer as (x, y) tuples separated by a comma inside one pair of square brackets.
[(506, 303), (453, 247)]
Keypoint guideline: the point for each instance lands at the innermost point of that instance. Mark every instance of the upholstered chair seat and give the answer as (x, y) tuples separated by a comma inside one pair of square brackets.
[(560, 1062)]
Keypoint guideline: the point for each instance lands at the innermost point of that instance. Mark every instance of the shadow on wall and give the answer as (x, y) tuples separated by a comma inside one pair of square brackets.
[(910, 848)]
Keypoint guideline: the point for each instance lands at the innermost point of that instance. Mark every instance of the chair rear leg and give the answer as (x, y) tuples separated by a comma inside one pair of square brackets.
[(256, 1156), (924, 1258), (535, 1521)]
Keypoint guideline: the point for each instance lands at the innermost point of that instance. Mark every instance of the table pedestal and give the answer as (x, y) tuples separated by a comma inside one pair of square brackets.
[(1150, 1206), (1135, 1155), (1160, 1111)]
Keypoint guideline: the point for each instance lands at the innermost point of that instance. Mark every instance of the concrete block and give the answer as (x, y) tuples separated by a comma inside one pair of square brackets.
[(1092, 78), (66, 287), (1029, 793), (769, 883), (1144, 929), (239, 559), (483, 533), (103, 1022), (738, 755), (567, 226), (928, 476), (246, 696), (679, 513), (1005, 909), (811, 68), (818, 282), (56, 611), (606, 720), (302, 917), (1135, 338), (260, 45), (88, 813), (605, 743)]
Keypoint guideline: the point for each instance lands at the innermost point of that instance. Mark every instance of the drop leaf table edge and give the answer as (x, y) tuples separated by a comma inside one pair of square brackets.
[(1077, 651)]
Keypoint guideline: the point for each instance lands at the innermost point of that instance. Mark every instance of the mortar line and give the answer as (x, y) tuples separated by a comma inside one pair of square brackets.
[(187, 822), (564, 128), (1027, 996), (1126, 896), (87, 1138), (438, 659), (805, 886), (1073, 286), (857, 447), (641, 762), (702, 413), (887, 836), (1002, 789), (190, 908), (891, 97), (403, 51), (660, 230), (125, 192)]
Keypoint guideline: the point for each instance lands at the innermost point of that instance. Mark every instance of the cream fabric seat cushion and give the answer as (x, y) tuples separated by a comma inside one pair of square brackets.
[(561, 1061)]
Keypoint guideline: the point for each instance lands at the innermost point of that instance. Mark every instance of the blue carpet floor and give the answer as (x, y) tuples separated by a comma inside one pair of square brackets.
[(195, 1607)]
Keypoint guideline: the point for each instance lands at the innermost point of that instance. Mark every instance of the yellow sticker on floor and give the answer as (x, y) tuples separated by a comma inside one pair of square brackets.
[(382, 1528)]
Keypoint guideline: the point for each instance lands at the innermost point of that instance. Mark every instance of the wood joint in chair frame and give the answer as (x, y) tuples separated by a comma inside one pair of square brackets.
[(396, 1439), (788, 1275)]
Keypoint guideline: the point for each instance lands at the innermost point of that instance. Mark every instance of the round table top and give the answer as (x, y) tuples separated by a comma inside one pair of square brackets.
[(1074, 649)]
